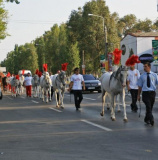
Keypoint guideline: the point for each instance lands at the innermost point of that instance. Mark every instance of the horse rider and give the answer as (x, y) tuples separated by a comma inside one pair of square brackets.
[(28, 84), (76, 84), (147, 84), (132, 79)]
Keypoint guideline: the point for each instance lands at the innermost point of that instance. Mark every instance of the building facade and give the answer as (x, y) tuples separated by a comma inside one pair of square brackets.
[(138, 43)]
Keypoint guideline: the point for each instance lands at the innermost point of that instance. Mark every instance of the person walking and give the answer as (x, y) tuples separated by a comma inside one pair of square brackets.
[(51, 77), (147, 84), (76, 84), (28, 84), (132, 79)]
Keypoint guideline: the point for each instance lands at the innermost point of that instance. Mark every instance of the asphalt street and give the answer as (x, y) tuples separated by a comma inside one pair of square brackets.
[(34, 130)]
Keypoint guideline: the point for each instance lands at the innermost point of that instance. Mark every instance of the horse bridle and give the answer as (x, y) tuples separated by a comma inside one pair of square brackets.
[(122, 69)]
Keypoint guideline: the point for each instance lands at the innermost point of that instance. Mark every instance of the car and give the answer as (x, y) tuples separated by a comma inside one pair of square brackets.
[(24, 72), (91, 83)]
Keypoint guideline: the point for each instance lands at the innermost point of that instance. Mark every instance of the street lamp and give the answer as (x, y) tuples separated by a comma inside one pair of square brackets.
[(104, 30)]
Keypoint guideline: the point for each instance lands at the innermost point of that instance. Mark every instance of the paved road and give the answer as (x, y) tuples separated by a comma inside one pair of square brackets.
[(33, 130)]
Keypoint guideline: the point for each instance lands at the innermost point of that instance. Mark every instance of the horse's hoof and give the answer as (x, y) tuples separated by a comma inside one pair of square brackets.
[(50, 100), (108, 108), (125, 120), (57, 106), (113, 119), (119, 111), (62, 107), (102, 114)]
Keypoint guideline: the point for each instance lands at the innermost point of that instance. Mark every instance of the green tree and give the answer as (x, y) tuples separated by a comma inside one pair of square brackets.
[(144, 26), (40, 48), (16, 1), (3, 21), (74, 57)]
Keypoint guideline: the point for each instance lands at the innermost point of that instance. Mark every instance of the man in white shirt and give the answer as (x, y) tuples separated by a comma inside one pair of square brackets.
[(132, 79), (28, 84), (76, 84)]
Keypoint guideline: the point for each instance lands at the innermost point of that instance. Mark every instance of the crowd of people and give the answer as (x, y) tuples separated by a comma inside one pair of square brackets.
[(136, 83)]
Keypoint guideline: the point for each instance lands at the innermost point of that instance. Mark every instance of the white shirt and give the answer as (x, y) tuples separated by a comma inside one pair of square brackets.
[(133, 77), (51, 77), (77, 80), (28, 81)]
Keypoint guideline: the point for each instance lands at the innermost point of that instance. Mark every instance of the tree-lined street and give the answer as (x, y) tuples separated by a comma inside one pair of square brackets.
[(31, 129), (82, 32)]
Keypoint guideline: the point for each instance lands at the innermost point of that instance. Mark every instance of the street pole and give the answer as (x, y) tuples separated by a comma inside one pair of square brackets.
[(106, 44), (105, 33), (83, 63)]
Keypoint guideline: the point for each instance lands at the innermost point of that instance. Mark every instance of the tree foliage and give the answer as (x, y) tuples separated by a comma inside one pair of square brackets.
[(81, 33), (16, 1)]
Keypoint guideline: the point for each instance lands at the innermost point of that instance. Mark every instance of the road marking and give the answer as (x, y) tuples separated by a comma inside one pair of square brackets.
[(9, 98), (34, 101), (55, 109), (89, 98), (96, 125), (22, 97)]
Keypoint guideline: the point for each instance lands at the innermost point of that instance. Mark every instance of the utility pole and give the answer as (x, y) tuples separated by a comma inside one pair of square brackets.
[(105, 33), (106, 44), (83, 63)]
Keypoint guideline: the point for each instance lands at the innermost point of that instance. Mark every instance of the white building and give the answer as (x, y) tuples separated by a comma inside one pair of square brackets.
[(138, 43)]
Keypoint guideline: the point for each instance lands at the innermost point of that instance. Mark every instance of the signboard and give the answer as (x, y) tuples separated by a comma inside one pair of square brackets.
[(110, 55), (155, 51), (102, 57), (146, 58), (83, 66), (2, 69)]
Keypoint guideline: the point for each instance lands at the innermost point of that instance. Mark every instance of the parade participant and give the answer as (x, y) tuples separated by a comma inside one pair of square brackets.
[(133, 76), (9, 77), (51, 77), (132, 79), (147, 84), (28, 84), (76, 84)]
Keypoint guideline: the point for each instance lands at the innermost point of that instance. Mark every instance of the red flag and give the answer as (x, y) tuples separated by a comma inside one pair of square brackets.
[(132, 60), (117, 56), (17, 77), (64, 66), (23, 71), (39, 74), (45, 67), (37, 71), (8, 74)]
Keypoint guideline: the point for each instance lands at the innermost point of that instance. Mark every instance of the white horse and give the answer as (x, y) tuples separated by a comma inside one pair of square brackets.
[(45, 83), (35, 85), (114, 84), (14, 86), (59, 83)]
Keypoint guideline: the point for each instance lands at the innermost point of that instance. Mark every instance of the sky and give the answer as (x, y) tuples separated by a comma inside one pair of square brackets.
[(31, 18)]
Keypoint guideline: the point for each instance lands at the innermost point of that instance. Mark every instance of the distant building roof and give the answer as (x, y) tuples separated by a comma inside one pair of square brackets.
[(144, 34)]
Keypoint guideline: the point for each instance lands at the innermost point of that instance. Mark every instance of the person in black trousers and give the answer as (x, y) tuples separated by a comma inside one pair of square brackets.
[(147, 84), (76, 84), (132, 79)]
